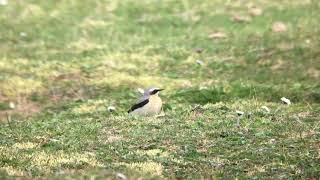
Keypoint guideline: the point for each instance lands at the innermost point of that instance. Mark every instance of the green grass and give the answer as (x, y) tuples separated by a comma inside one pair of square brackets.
[(62, 63)]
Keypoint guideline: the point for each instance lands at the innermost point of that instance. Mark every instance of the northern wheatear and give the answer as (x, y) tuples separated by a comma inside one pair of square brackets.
[(149, 104)]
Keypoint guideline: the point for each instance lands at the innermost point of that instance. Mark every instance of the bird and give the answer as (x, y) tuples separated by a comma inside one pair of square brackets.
[(149, 104)]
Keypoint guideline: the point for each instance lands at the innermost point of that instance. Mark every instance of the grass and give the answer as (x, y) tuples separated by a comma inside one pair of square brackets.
[(63, 63)]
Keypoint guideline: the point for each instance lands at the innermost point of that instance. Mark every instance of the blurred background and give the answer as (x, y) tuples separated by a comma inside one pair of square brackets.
[(52, 51)]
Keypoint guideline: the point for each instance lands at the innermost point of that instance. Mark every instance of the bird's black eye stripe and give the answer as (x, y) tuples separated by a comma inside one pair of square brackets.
[(155, 91)]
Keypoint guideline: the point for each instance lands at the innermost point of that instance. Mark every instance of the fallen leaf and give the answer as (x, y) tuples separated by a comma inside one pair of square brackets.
[(279, 27), (255, 11), (285, 101), (198, 50), (239, 113), (217, 35), (272, 141), (200, 62), (240, 18), (121, 176), (265, 108), (111, 108)]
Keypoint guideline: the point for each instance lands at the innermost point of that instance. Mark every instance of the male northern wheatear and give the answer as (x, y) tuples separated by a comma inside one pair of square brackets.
[(149, 104)]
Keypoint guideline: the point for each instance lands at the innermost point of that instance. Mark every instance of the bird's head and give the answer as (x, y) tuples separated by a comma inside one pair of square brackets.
[(153, 91)]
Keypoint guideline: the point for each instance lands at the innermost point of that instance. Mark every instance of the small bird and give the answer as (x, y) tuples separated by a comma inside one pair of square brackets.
[(149, 104)]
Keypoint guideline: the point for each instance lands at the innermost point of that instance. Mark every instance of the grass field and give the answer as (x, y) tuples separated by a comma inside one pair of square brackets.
[(63, 62)]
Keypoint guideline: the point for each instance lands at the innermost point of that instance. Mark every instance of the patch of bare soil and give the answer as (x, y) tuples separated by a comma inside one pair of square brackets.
[(24, 109)]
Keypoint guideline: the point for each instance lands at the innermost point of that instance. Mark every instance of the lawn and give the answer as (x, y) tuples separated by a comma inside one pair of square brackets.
[(64, 62)]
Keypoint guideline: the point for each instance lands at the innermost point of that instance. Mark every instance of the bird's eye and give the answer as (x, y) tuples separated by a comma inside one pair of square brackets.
[(154, 91)]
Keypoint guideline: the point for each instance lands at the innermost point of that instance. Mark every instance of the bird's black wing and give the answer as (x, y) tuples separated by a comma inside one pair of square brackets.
[(138, 105)]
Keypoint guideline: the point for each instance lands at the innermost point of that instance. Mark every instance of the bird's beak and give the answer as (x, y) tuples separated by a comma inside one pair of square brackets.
[(160, 89)]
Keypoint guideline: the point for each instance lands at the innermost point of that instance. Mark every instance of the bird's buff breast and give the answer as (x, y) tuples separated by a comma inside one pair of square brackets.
[(150, 109)]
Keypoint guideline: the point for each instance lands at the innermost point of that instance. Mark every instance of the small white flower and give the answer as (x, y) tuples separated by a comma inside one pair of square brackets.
[(121, 176), (240, 113), (3, 2), (199, 62), (140, 90), (111, 108), (12, 105), (265, 108), (23, 34), (285, 100)]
